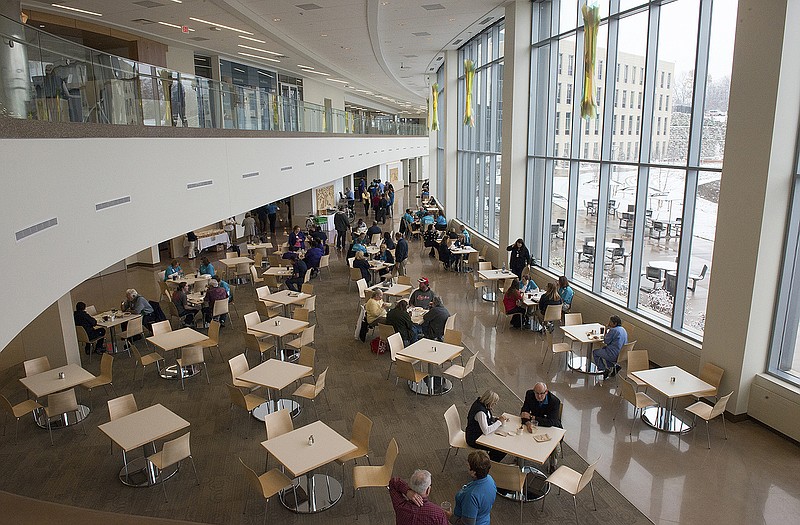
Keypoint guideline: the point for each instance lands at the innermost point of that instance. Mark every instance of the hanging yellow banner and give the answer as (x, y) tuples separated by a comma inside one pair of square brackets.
[(469, 78), (591, 22), (434, 116)]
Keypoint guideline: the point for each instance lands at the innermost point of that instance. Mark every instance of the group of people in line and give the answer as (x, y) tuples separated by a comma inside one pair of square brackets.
[(379, 195)]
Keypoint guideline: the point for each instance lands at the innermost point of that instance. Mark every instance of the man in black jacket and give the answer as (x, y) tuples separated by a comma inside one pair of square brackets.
[(89, 324), (541, 405), (400, 253), (341, 224)]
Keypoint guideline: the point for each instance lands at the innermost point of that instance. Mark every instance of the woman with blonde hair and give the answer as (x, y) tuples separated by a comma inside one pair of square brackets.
[(480, 421), (550, 297)]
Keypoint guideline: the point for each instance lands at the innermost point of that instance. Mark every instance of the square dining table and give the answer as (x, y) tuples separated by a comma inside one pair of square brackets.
[(302, 451), (280, 327), (275, 374), (515, 440), (174, 340), (286, 297), (672, 382), (111, 319), (433, 353), (586, 334), (49, 382), (137, 430), (496, 276)]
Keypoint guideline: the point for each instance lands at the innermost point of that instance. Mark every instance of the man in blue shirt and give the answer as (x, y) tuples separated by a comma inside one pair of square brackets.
[(272, 215), (474, 501), (606, 358)]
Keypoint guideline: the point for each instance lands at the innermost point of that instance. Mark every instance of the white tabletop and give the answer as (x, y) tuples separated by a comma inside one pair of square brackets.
[(196, 298), (286, 297), (285, 327), (395, 289), (260, 246), (463, 250), (119, 318), (294, 452), (177, 339), (233, 261), (46, 383), (372, 249), (523, 445), (661, 380), (188, 279), (279, 271), (669, 266), (143, 426), (581, 332), (417, 314), (274, 373), (423, 350), (532, 298), (379, 265), (495, 275)]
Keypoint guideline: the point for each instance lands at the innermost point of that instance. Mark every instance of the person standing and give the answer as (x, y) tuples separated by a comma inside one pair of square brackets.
[(177, 96), (401, 254), (272, 215), (410, 501), (615, 338), (229, 225), (249, 225), (191, 238), (520, 256)]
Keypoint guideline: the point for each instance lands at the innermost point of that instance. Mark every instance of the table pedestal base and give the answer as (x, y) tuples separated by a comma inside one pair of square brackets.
[(141, 473), (431, 386), (489, 296), (171, 372), (536, 487), (63, 421), (315, 493), (264, 409), (582, 365), (662, 419)]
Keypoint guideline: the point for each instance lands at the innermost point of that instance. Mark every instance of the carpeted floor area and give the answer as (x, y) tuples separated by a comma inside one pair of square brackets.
[(79, 470)]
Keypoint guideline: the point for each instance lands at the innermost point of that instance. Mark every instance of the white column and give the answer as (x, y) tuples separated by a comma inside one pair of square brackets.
[(450, 127)]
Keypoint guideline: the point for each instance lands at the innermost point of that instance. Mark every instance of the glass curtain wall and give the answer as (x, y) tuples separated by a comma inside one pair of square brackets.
[(440, 135), (631, 195), (479, 147)]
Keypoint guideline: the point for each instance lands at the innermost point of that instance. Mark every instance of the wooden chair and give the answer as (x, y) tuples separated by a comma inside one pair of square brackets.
[(254, 344), (272, 282), (84, 341), (376, 476), (325, 262), (238, 366), (144, 361), (555, 348), (639, 400), (507, 317), (509, 477), (277, 424), (456, 437), (267, 485), (622, 358), (395, 345), (36, 366), (213, 338), (121, 407), (306, 338), (299, 314), (362, 428), (221, 308), (254, 276), (552, 314), (246, 401), (310, 304), (460, 372), (133, 329), (711, 374), (385, 331), (355, 275), (17, 411), (572, 319), (91, 309), (475, 283), (484, 265), (268, 310), (362, 287), (173, 452), (161, 327), (707, 412), (404, 279), (573, 482), (637, 360), (307, 288), (450, 324), (308, 357), (59, 405), (252, 319), (105, 379), (192, 355), (310, 392), (406, 370)]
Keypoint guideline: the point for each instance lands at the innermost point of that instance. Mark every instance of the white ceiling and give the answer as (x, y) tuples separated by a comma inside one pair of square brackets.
[(368, 43)]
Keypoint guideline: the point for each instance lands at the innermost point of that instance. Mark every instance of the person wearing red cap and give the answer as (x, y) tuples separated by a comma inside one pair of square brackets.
[(423, 295)]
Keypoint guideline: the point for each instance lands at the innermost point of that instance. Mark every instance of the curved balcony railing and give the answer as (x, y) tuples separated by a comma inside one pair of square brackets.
[(53, 79)]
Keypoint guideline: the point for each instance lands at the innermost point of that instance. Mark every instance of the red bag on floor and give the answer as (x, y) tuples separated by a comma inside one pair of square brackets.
[(378, 346)]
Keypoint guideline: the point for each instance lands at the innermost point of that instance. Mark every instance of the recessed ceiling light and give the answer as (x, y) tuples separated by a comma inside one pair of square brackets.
[(252, 39), (276, 19), (452, 19), (220, 25), (323, 35), (176, 26), (178, 1), (260, 50), (316, 72), (68, 8), (337, 80), (304, 67), (257, 56)]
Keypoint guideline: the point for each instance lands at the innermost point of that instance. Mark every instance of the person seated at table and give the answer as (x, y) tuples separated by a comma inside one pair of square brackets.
[(464, 236), (297, 240), (181, 301), (362, 263), (359, 228), (214, 293), (372, 230), (426, 219), (615, 338), (375, 309), (429, 238), (137, 304), (526, 285), (512, 301), (434, 320), (318, 234), (481, 422), (566, 293), (299, 269), (422, 296), (445, 255), (89, 324), (388, 241), (550, 297), (173, 269), (408, 217), (360, 244), (313, 256), (540, 405), (206, 268), (225, 286), (441, 222), (384, 255), (399, 318), (411, 503)]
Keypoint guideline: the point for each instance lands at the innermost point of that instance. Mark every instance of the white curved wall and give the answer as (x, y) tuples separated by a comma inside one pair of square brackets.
[(65, 178)]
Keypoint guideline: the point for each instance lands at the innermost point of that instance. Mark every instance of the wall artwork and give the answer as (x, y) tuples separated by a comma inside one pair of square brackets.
[(394, 175), (326, 198)]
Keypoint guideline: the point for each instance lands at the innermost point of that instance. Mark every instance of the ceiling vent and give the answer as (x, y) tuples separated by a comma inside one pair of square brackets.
[(486, 20), (421, 33), (456, 42), (411, 56), (433, 7), (143, 21), (148, 4), (308, 7), (198, 38)]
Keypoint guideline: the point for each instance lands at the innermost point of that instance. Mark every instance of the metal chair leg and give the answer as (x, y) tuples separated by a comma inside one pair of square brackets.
[(591, 487), (708, 436), (447, 457)]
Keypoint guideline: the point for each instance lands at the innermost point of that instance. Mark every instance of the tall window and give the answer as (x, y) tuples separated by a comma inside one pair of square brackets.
[(440, 156), (479, 147), (651, 210)]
